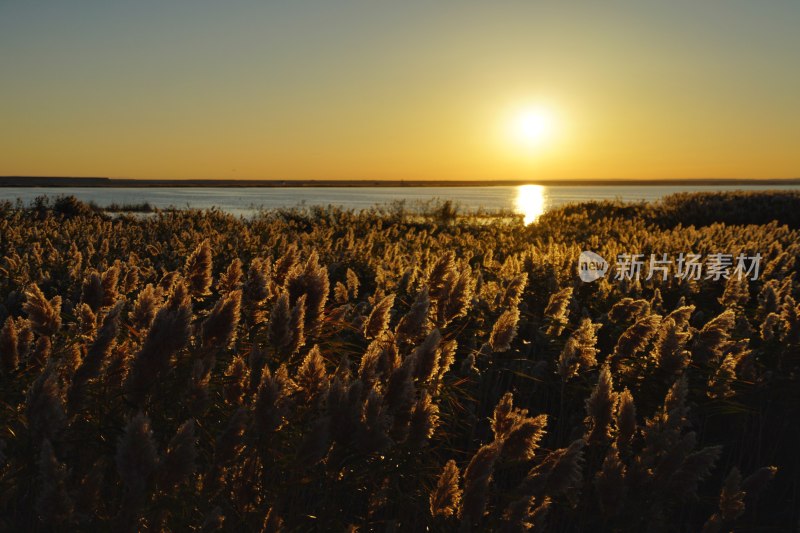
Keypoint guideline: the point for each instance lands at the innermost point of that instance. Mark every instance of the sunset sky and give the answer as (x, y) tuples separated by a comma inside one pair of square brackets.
[(400, 90)]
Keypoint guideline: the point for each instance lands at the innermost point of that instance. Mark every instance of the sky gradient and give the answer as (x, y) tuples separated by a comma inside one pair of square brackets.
[(399, 90)]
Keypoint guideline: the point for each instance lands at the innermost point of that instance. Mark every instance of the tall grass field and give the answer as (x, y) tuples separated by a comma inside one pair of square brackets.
[(333, 370)]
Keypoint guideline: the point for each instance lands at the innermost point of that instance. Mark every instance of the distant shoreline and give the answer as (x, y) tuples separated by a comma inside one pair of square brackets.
[(43, 181)]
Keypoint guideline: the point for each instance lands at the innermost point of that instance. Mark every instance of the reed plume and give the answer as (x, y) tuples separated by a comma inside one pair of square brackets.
[(669, 348), (426, 356), (600, 407), (116, 372), (352, 283), (681, 316), (145, 307), (237, 378), (231, 279), (168, 333), (348, 291), (736, 293), (109, 283), (579, 352), (413, 323), (310, 280), (98, 352), (505, 417), (257, 281), (285, 264), (770, 326), (312, 377), (87, 320), (625, 418), (712, 340), (556, 312), (512, 295), (440, 275), (219, 329), (477, 477), (198, 270), (378, 319), (272, 400), (41, 353), (92, 291), (297, 327), (720, 383), (790, 321), (130, 281), (504, 331), (522, 440), (44, 315), (340, 293), (445, 498), (459, 297), (279, 321), (628, 309), (664, 429), (447, 356), (559, 472), (634, 339), (71, 360), (424, 419)]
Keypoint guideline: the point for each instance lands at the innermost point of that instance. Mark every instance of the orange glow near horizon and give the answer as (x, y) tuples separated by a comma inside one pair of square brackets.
[(268, 91)]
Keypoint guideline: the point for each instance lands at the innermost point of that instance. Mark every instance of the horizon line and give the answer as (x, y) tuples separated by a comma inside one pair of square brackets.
[(103, 181)]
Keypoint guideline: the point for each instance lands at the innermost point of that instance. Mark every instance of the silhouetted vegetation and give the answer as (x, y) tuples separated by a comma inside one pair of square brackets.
[(142, 207), (328, 370)]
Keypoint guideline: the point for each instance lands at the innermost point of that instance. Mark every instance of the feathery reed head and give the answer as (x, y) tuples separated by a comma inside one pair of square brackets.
[(44, 315), (445, 498), (198, 270)]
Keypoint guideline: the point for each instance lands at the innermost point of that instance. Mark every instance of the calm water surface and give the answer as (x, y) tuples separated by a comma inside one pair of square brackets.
[(529, 200)]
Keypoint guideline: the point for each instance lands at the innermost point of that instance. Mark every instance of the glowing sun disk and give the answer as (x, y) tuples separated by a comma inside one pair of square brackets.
[(533, 126)]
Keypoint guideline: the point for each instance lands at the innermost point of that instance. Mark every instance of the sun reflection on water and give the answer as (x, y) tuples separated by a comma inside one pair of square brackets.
[(530, 202)]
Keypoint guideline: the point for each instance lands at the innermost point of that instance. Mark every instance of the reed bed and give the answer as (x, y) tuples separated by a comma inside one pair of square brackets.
[(329, 370)]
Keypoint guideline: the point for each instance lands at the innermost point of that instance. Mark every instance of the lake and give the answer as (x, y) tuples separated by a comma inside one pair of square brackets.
[(529, 200)]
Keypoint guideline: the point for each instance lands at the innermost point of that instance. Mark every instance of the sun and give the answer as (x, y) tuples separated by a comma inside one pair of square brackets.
[(533, 126)]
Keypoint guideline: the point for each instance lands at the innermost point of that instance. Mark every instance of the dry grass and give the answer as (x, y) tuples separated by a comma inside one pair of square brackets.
[(330, 370)]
